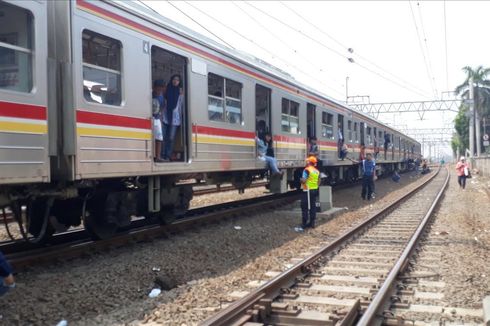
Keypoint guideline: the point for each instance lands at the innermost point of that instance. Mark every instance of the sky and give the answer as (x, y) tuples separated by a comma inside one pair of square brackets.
[(403, 51)]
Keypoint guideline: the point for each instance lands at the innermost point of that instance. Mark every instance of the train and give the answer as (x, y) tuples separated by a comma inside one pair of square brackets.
[(76, 139)]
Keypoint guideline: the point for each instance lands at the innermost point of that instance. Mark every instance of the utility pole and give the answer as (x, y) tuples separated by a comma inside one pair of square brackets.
[(477, 131), (472, 119)]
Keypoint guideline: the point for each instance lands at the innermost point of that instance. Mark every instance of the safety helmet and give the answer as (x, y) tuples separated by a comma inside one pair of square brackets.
[(312, 160)]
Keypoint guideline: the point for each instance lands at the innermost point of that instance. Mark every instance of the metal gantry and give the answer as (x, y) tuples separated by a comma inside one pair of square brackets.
[(419, 107)]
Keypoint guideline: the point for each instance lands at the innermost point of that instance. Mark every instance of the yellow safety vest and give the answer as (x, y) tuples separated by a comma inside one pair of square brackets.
[(312, 181)]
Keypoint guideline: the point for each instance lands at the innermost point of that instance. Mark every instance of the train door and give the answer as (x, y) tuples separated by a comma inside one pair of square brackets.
[(262, 110), (169, 105), (340, 133), (310, 120), (392, 147), (375, 141), (362, 126)]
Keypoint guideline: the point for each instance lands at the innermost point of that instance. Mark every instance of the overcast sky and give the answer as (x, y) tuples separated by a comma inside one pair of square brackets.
[(399, 47)]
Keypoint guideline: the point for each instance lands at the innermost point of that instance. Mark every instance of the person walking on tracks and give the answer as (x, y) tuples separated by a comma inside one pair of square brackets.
[(310, 181), (462, 170), (368, 174)]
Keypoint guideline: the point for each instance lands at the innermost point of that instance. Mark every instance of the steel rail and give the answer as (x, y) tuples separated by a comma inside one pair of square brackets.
[(233, 314), (384, 292), (74, 249)]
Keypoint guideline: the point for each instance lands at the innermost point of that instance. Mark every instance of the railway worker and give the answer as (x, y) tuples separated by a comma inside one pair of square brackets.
[(8, 281), (262, 146), (310, 181), (158, 106), (462, 170), (172, 114)]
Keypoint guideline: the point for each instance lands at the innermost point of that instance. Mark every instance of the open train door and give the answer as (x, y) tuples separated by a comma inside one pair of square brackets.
[(165, 67), (262, 110)]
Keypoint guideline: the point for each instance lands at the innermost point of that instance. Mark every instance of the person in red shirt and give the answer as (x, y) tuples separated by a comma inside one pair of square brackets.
[(461, 172)]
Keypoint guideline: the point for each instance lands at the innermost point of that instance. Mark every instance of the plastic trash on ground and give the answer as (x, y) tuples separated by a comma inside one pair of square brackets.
[(155, 269), (62, 323), (155, 293), (237, 227)]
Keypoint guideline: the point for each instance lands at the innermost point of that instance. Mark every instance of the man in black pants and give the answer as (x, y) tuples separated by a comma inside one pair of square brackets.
[(310, 181), (368, 167)]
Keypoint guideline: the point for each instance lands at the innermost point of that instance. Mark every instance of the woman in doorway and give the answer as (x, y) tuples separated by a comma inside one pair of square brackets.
[(172, 115)]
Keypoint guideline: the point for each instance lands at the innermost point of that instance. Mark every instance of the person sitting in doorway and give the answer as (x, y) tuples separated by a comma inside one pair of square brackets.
[(172, 115), (262, 152)]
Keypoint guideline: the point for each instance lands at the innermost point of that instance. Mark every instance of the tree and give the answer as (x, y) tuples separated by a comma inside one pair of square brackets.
[(481, 93), (462, 136)]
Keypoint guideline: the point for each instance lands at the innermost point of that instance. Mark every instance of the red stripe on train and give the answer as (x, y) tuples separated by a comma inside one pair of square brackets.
[(222, 132), (289, 139), (24, 111), (105, 119)]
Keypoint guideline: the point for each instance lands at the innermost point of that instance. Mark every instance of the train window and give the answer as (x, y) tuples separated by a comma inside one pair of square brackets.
[(349, 130), (369, 138), (101, 68), (327, 125), (224, 99), (290, 116), (16, 48)]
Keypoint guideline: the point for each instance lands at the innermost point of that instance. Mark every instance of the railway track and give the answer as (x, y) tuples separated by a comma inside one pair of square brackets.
[(76, 243), (353, 280)]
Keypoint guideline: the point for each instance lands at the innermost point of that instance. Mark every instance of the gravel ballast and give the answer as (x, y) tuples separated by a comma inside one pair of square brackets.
[(206, 265)]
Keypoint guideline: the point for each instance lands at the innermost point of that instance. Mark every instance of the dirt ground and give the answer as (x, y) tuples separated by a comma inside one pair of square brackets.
[(112, 288), (463, 223)]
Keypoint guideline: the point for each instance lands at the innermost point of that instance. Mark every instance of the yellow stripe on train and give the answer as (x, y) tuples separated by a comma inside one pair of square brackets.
[(113, 133), (20, 127)]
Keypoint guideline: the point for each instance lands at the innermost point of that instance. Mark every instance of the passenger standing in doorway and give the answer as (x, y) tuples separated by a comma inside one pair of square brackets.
[(340, 142), (386, 143), (158, 104), (172, 115), (310, 181), (462, 170)]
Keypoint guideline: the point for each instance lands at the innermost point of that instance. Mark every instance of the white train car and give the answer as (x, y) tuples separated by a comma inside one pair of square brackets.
[(76, 137)]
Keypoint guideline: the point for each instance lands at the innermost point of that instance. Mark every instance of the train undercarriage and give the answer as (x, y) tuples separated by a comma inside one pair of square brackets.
[(105, 207)]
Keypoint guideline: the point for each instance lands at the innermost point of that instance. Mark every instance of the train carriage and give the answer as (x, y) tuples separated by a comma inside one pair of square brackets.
[(76, 138)]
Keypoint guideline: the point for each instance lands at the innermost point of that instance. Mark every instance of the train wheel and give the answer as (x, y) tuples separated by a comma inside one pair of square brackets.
[(97, 227), (33, 220), (167, 215)]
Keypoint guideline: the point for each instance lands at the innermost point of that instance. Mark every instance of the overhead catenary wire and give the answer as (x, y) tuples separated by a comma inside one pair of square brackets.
[(273, 55), (346, 47), (431, 71), (421, 46), (333, 50), (445, 45), (195, 21), (286, 44)]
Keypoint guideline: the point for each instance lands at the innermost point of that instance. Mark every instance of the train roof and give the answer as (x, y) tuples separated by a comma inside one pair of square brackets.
[(147, 13)]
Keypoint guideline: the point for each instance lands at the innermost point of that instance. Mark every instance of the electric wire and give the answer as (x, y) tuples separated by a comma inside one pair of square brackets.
[(445, 45), (335, 51), (219, 38), (420, 45), (345, 47), (286, 44), (273, 55), (431, 71)]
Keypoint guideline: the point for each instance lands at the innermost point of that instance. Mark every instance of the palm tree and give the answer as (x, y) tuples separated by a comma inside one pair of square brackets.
[(481, 93)]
